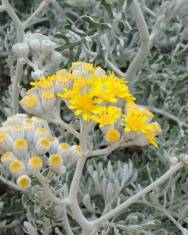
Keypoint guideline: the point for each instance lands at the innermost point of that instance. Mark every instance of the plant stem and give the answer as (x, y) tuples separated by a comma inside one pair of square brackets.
[(49, 194), (145, 40), (64, 125), (36, 13), (137, 196), (66, 222)]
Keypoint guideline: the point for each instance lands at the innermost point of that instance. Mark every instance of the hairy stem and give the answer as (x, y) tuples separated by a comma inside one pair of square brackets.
[(145, 40), (66, 222), (36, 13)]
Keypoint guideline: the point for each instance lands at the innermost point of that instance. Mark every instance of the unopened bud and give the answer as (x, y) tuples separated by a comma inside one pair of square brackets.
[(173, 161), (35, 45), (37, 74), (21, 49), (185, 159), (56, 58), (47, 47)]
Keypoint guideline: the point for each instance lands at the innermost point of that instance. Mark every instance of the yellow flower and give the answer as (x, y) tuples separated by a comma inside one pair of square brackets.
[(83, 66), (43, 145), (36, 163), (43, 83), (107, 115), (21, 144), (16, 166), (64, 147), (83, 104), (24, 181), (30, 101), (138, 120), (113, 135), (55, 160)]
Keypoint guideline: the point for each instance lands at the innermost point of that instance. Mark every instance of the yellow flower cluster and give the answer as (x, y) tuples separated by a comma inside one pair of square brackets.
[(27, 146), (96, 96), (138, 120)]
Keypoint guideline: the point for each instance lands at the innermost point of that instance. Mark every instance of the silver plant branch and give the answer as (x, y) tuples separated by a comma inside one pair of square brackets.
[(20, 28), (137, 196), (144, 37)]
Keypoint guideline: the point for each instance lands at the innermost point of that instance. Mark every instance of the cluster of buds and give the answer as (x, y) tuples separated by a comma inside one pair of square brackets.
[(28, 147), (41, 50)]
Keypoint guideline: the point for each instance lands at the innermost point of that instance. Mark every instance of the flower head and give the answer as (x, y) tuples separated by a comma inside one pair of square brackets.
[(36, 163), (138, 120), (113, 135), (55, 160), (107, 115), (16, 166), (24, 181)]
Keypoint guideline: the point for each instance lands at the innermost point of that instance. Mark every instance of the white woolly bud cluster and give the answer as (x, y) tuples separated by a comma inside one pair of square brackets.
[(28, 147), (42, 51)]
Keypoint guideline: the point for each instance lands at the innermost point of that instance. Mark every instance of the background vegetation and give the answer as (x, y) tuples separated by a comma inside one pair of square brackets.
[(104, 32)]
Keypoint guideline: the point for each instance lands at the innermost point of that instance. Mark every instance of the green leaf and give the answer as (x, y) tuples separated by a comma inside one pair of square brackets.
[(93, 24), (108, 6)]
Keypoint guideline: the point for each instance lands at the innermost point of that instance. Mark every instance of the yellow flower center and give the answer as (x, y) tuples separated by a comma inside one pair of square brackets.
[(36, 162), (28, 121), (55, 160), (44, 143), (6, 157), (113, 135), (21, 144), (30, 101), (64, 147), (47, 95), (16, 166), (3, 137), (42, 131), (24, 181)]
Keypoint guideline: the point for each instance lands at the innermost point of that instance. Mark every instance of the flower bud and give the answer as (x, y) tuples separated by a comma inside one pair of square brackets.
[(41, 132), (43, 146), (16, 167), (5, 141), (35, 45), (47, 47), (48, 100), (21, 50), (56, 58), (20, 147), (113, 135), (55, 161), (24, 181), (31, 104), (7, 157), (35, 163), (37, 74), (54, 144)]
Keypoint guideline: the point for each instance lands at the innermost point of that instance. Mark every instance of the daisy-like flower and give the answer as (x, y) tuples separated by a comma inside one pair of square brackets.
[(106, 115), (138, 120), (83, 104)]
